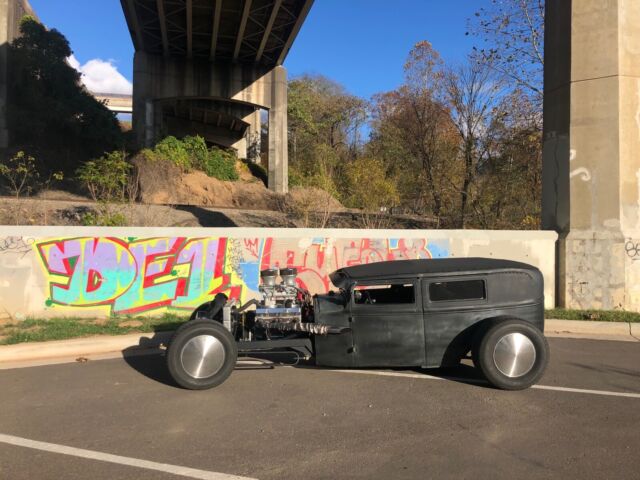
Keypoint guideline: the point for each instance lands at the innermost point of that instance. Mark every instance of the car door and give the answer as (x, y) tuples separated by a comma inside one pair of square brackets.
[(387, 324)]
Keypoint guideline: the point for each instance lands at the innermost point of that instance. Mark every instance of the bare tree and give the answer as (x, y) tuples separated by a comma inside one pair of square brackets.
[(473, 93), (513, 34)]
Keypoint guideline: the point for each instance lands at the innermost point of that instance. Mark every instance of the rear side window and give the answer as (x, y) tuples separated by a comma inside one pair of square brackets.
[(458, 290)]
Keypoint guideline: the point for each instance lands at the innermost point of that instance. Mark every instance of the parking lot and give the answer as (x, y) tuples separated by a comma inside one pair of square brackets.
[(122, 418)]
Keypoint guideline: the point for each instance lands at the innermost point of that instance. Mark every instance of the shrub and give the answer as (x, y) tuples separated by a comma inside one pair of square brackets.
[(107, 177), (221, 164), (104, 219), (20, 173), (192, 153), (175, 151)]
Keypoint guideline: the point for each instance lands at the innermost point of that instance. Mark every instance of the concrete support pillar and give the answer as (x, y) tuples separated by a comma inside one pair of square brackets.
[(591, 175), (254, 134), (278, 133), (11, 14)]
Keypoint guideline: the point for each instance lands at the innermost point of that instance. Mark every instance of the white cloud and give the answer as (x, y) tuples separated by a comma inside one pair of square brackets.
[(101, 76)]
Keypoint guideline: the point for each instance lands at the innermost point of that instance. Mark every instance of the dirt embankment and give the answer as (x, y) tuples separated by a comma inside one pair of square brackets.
[(164, 183)]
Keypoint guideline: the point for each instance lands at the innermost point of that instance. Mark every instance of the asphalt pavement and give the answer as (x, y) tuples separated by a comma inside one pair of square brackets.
[(124, 419)]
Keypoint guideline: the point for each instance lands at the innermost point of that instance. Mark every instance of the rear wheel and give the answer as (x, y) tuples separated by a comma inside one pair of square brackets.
[(512, 355), (201, 355)]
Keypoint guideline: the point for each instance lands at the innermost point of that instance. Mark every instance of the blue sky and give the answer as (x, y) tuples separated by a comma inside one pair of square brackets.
[(360, 43)]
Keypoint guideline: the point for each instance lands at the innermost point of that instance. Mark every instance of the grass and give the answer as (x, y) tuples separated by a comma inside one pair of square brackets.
[(593, 315), (42, 330)]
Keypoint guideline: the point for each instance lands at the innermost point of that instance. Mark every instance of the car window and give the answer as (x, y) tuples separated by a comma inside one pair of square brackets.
[(457, 290), (392, 294)]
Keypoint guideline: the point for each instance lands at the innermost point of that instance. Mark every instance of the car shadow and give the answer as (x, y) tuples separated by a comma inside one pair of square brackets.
[(148, 359)]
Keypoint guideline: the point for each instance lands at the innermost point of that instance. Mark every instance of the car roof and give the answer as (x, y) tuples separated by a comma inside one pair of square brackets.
[(427, 267)]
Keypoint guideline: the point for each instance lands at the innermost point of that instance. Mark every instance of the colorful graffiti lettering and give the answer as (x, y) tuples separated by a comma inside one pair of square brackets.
[(141, 275)]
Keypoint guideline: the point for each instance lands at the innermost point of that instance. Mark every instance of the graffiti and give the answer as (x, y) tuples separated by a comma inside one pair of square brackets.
[(632, 248), (16, 245), (140, 275)]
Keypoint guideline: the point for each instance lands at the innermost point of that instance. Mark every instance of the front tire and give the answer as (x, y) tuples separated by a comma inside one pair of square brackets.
[(201, 355), (512, 355)]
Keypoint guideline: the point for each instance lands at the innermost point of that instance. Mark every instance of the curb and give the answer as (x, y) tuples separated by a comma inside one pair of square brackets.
[(620, 331), (134, 344), (140, 344)]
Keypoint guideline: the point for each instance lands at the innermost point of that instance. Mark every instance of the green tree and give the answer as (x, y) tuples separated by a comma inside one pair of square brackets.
[(48, 108), (324, 130)]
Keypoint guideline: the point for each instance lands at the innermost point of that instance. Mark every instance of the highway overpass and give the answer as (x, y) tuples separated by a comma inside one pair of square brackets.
[(209, 67), (115, 102)]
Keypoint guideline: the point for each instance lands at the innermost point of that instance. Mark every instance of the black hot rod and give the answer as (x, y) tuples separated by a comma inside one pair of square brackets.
[(411, 313)]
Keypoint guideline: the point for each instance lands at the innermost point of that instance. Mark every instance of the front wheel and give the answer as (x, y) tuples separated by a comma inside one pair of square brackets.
[(201, 355), (512, 355)]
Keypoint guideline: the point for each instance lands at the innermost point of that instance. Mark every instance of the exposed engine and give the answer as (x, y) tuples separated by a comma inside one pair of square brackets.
[(283, 309), (286, 308)]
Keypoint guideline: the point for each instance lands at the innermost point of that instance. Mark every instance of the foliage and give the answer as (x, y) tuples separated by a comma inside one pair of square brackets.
[(312, 206), (22, 176), (104, 218), (41, 330), (192, 153), (221, 164), (107, 177), (48, 107), (371, 190), (20, 173), (174, 151), (593, 315), (324, 128)]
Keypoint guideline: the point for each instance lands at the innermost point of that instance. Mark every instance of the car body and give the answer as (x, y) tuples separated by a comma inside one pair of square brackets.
[(411, 313), (426, 330)]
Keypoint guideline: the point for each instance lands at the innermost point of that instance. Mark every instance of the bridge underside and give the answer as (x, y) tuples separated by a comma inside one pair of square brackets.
[(209, 67)]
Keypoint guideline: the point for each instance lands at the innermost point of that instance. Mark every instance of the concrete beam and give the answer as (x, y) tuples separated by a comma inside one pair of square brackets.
[(130, 9), (268, 29), (216, 29), (163, 27), (189, 29), (241, 30)]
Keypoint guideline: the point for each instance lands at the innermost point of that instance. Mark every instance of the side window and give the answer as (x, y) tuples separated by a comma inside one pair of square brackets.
[(394, 294), (457, 290)]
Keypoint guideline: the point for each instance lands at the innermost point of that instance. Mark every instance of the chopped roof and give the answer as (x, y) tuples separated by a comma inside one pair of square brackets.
[(425, 267)]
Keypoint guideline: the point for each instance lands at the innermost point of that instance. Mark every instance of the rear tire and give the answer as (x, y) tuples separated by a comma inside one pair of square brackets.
[(201, 355), (512, 355)]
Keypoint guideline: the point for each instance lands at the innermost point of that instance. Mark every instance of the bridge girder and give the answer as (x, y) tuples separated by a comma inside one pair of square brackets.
[(239, 31)]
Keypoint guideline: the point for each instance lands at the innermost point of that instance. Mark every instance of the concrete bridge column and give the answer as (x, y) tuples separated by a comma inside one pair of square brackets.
[(278, 133), (591, 177)]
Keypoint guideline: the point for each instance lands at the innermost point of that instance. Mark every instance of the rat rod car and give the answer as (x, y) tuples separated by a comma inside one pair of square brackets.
[(409, 313)]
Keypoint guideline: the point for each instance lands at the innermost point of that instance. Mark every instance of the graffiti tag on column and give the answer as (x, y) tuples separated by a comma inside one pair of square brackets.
[(632, 247), (141, 275)]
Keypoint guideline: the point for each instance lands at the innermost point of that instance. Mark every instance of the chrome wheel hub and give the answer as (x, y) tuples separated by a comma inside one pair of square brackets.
[(203, 356), (514, 355)]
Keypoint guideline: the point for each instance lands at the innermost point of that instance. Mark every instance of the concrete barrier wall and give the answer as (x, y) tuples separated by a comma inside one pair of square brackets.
[(63, 271)]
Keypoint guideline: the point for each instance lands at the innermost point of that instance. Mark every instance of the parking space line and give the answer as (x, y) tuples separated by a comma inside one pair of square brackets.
[(476, 381), (117, 459)]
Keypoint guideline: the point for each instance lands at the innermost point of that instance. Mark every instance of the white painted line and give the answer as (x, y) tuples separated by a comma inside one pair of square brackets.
[(476, 381), (105, 457), (590, 392)]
